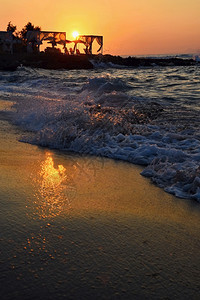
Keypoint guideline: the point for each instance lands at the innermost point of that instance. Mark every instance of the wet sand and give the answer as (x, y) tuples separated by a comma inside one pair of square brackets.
[(77, 227)]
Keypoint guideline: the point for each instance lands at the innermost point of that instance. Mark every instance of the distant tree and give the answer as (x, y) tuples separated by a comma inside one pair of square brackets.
[(28, 27), (10, 27)]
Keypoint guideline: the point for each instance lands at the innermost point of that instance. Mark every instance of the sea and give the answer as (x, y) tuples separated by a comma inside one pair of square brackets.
[(148, 116)]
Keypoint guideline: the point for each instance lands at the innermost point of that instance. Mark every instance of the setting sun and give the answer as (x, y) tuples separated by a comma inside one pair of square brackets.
[(75, 34)]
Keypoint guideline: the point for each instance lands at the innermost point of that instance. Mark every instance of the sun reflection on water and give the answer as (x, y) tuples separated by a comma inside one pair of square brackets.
[(55, 189)]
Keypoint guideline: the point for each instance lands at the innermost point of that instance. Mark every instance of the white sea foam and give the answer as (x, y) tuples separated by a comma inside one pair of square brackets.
[(144, 117)]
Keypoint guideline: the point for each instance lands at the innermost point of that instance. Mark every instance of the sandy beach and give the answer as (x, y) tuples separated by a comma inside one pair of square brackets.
[(77, 227)]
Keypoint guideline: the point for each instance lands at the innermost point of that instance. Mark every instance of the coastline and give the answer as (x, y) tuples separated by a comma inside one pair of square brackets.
[(82, 227), (10, 62)]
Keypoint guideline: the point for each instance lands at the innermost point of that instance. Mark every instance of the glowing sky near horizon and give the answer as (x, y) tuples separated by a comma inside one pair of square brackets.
[(128, 27)]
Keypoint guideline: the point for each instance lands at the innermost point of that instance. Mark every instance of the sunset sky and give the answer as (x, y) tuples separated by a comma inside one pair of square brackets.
[(129, 27)]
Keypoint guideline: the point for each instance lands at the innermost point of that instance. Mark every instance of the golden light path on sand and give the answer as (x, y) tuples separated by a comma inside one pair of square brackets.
[(79, 187), (54, 187)]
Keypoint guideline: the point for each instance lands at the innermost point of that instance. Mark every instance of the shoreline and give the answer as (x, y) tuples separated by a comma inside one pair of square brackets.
[(85, 227), (10, 62)]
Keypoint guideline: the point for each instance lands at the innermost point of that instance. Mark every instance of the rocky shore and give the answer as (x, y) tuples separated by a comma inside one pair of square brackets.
[(9, 62), (145, 62)]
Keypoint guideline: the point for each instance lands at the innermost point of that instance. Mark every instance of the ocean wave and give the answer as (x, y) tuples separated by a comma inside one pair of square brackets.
[(118, 133), (105, 65), (102, 113)]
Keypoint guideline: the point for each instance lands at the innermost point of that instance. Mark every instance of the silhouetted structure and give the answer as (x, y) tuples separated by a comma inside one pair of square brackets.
[(36, 38), (31, 40), (88, 40)]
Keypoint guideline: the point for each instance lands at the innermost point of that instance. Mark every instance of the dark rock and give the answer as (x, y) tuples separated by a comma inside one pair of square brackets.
[(144, 62), (9, 62)]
